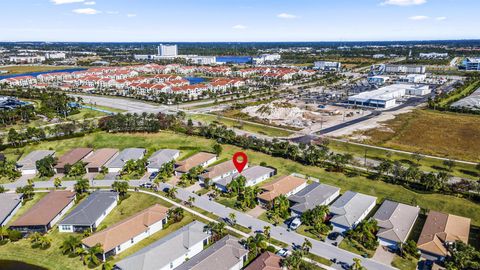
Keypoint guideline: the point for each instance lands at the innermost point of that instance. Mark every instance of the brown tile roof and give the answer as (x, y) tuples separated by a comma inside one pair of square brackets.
[(44, 211), (219, 169), (73, 156), (100, 157), (440, 228), (281, 186), (266, 261), (126, 229), (193, 161)]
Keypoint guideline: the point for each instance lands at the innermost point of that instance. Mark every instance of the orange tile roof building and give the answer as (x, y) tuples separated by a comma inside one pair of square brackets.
[(285, 185)]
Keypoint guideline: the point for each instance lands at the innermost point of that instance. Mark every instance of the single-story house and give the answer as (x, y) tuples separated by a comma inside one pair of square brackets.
[(28, 164), (218, 171), (201, 159), (285, 185), (311, 196), (440, 231), (350, 209), (9, 205), (128, 232), (253, 175), (266, 261), (170, 251), (46, 213), (395, 221), (116, 164), (226, 253), (90, 212), (71, 157), (161, 157), (98, 159)]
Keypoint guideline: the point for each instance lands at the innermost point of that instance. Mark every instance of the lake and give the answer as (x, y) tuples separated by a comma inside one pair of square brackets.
[(195, 80), (16, 265), (35, 74)]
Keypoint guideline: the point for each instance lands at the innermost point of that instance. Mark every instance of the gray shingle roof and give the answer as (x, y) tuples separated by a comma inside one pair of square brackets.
[(8, 202), (311, 196), (349, 207), (249, 174), (224, 254), (167, 249), (124, 156), (29, 161), (161, 157), (395, 220), (92, 208)]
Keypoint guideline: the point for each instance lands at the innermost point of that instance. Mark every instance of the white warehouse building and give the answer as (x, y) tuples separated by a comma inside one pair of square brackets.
[(386, 97)]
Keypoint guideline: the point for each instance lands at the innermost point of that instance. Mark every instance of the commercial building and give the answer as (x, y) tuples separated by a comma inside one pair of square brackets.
[(328, 66), (28, 164), (170, 251), (472, 63), (285, 185), (390, 68), (90, 212), (266, 261), (9, 205), (98, 159), (471, 102), (253, 175), (395, 221), (167, 50), (350, 209), (413, 78), (160, 158), (46, 213), (27, 59), (433, 55), (126, 233), (311, 196), (439, 232), (266, 58), (218, 171), (386, 97), (116, 164), (201, 159), (226, 253), (201, 60), (71, 157), (378, 80)]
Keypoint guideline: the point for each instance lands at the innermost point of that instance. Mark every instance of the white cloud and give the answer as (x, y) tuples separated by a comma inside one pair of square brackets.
[(239, 27), (131, 15), (86, 11), (90, 3), (286, 16), (440, 18), (418, 18), (403, 2), (112, 12), (61, 2)]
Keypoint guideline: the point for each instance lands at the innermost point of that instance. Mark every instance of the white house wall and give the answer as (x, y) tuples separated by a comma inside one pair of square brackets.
[(63, 212)]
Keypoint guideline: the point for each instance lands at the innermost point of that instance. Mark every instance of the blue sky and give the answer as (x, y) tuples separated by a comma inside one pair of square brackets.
[(238, 20)]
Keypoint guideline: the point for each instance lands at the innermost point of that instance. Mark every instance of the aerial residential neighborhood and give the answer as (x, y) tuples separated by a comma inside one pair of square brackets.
[(240, 135)]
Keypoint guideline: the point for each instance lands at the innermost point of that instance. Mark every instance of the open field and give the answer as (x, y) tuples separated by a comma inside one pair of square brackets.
[(249, 127), (444, 134), (188, 144), (28, 69)]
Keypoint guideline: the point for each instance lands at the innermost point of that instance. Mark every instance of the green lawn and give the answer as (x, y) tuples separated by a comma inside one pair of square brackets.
[(28, 69), (408, 263), (355, 247), (85, 114), (304, 230), (250, 127), (110, 109), (188, 144)]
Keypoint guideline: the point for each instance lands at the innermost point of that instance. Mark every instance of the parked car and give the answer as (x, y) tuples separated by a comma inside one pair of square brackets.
[(282, 252), (296, 222), (333, 236), (153, 176), (146, 185)]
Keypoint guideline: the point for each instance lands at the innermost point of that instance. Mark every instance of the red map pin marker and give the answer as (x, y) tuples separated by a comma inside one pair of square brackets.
[(240, 160)]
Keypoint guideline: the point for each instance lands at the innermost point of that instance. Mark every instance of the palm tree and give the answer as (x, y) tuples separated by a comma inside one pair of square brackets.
[(266, 231), (90, 257), (70, 244), (191, 200), (357, 264), (172, 191), (3, 232), (57, 182), (107, 265), (233, 218), (293, 261), (307, 245)]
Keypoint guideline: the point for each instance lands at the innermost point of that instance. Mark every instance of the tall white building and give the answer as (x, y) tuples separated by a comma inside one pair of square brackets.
[(327, 65), (167, 50)]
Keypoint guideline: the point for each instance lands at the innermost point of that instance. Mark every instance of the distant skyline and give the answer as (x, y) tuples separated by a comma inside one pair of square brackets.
[(238, 20)]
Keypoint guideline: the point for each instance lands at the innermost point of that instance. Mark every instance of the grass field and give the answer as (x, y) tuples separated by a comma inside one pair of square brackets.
[(189, 144), (408, 263), (353, 246), (85, 114), (28, 69), (442, 134), (250, 127)]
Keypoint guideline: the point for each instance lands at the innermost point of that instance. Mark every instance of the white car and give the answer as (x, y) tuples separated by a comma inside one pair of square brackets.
[(283, 252), (296, 222)]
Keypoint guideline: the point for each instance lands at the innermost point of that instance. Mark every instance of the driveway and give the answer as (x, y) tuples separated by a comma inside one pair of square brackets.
[(383, 255), (256, 212), (195, 187)]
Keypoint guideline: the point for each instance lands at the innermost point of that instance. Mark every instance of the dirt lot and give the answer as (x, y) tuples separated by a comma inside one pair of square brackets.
[(438, 133)]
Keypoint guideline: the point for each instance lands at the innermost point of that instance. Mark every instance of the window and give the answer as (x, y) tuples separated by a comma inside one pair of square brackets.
[(131, 241), (171, 265), (66, 228), (119, 248)]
